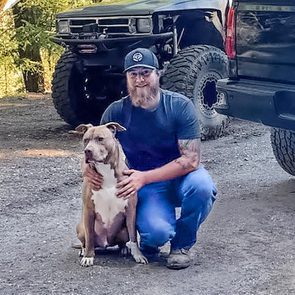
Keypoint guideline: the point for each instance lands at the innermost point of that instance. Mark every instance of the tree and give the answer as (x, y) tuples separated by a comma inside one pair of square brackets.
[(34, 22), (27, 34)]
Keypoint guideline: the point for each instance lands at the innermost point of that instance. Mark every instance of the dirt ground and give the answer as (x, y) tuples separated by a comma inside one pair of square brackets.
[(246, 246)]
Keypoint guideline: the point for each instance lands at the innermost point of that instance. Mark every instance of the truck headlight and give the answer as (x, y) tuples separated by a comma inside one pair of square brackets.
[(63, 27), (132, 26), (144, 25)]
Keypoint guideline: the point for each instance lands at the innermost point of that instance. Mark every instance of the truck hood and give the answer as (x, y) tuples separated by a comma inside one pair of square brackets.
[(147, 7)]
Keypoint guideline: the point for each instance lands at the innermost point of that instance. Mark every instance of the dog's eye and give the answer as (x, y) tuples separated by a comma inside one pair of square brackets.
[(99, 138), (86, 140)]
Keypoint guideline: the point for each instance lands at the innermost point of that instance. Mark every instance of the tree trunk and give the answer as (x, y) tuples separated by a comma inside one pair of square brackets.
[(33, 79), (33, 76)]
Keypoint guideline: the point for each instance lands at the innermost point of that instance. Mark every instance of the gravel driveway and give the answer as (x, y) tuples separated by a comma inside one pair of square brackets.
[(246, 246)]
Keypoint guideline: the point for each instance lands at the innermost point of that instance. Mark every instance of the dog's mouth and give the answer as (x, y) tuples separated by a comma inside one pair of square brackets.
[(88, 161), (92, 157), (91, 160)]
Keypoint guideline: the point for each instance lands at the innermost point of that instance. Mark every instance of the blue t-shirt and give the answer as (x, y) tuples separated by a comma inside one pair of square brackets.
[(150, 140)]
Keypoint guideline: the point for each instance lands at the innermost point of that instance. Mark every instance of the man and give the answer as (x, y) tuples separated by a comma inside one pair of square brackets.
[(162, 146)]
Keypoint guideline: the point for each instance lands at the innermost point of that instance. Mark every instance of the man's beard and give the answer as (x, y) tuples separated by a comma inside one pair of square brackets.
[(143, 96)]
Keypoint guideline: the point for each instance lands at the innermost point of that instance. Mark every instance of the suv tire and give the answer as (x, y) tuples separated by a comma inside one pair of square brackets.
[(61, 89), (69, 96), (283, 145), (194, 72)]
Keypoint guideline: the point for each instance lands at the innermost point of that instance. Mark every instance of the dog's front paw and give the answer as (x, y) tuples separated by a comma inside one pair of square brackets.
[(139, 258), (87, 261), (136, 253)]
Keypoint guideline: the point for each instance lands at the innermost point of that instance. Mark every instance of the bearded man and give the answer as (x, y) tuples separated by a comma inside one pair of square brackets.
[(162, 146)]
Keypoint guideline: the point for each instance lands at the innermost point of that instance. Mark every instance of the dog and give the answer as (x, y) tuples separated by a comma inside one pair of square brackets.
[(106, 219)]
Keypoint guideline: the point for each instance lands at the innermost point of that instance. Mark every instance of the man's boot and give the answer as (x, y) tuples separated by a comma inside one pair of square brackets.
[(178, 259)]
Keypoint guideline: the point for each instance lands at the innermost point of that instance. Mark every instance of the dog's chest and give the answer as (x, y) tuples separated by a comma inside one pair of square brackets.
[(106, 203)]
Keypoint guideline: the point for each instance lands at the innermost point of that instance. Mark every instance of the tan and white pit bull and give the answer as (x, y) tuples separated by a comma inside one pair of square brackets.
[(106, 219)]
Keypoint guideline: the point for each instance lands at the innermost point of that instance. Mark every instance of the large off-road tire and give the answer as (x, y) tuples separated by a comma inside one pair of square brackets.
[(70, 99), (283, 145), (194, 72), (60, 88)]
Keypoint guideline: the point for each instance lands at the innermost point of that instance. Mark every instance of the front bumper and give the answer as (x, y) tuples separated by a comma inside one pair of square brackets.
[(272, 104), (110, 41)]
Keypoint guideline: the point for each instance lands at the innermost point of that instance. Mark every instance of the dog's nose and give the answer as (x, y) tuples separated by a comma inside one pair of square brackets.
[(88, 154)]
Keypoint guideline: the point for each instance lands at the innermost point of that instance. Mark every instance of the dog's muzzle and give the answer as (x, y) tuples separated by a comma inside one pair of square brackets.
[(88, 156)]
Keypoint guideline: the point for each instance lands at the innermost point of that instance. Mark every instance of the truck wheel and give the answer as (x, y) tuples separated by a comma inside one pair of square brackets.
[(283, 146), (194, 72), (73, 103)]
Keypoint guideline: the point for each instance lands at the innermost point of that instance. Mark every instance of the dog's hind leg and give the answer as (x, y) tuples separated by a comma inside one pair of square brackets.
[(121, 239)]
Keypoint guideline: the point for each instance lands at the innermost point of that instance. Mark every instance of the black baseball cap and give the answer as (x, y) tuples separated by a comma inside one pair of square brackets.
[(140, 57)]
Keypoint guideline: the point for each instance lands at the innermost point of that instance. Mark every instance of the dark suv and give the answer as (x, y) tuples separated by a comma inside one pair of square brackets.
[(187, 36), (260, 44)]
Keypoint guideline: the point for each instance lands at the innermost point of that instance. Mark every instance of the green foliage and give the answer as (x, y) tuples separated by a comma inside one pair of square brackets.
[(26, 33), (8, 52)]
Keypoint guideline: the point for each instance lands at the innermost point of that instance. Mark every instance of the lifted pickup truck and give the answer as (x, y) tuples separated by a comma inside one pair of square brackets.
[(260, 44), (187, 37)]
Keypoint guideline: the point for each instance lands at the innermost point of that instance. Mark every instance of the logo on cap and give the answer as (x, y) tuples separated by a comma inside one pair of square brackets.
[(137, 57)]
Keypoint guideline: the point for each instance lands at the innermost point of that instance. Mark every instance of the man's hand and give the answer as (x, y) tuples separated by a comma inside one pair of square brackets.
[(130, 185), (94, 178)]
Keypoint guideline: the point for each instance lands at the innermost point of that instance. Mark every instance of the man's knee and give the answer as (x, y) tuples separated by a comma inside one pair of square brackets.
[(155, 233), (198, 187)]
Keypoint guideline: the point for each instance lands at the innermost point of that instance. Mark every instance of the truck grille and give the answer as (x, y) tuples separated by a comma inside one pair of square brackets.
[(112, 25)]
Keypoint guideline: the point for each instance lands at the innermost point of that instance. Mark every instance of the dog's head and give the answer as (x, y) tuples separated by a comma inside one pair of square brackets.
[(99, 141)]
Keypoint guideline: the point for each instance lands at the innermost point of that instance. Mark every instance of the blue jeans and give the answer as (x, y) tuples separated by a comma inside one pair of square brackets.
[(156, 222)]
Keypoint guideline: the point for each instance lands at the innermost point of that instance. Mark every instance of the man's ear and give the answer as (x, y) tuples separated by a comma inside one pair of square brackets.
[(159, 73), (81, 129), (114, 126)]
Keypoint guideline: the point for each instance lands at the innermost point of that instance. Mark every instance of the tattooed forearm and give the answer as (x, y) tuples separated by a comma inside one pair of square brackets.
[(190, 153)]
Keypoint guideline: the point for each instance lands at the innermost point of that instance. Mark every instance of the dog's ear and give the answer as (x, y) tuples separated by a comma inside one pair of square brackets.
[(81, 129), (114, 126)]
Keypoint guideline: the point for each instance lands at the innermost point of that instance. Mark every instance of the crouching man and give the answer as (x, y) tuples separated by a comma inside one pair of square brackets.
[(162, 146)]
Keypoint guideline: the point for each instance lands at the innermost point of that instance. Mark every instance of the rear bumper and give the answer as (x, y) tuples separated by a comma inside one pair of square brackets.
[(272, 104)]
